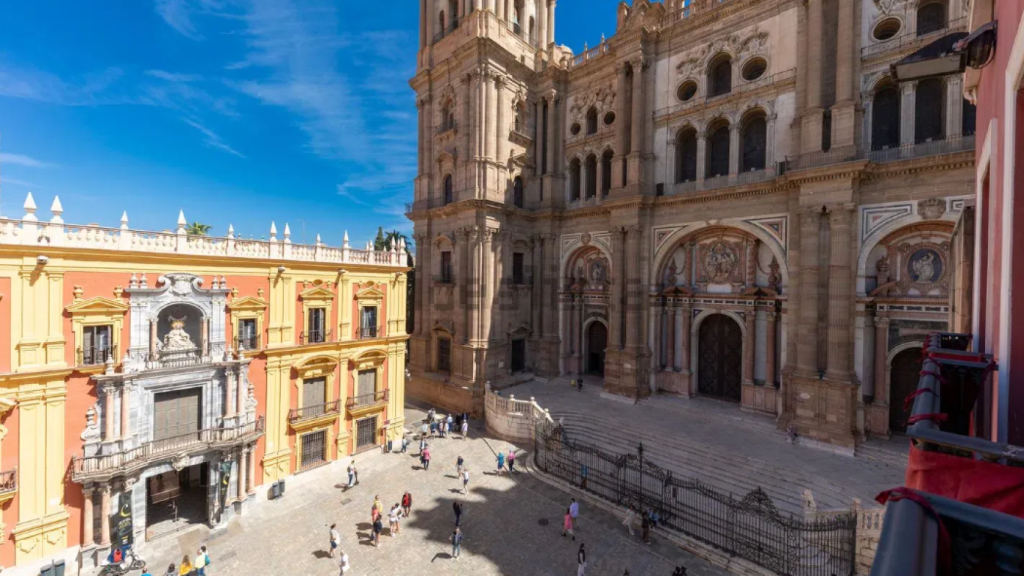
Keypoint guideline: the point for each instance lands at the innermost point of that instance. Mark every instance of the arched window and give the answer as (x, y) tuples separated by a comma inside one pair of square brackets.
[(967, 124), (449, 194), (519, 120), (718, 151), (754, 138), (591, 121), (532, 28), (441, 21), (518, 199), (591, 176), (686, 155), (931, 17), (606, 172), (885, 118), (574, 180), (930, 105), (448, 116), (720, 76)]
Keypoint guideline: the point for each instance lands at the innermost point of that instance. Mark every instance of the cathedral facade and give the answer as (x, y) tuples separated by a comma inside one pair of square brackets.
[(731, 199)]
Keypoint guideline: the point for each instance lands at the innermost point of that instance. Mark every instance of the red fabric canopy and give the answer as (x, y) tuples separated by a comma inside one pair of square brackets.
[(976, 482)]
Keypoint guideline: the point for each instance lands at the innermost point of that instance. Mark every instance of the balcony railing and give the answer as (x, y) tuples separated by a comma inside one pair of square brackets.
[(589, 54), (309, 412), (127, 461), (518, 30), (451, 27), (96, 355), (739, 88), (911, 40), (694, 8), (367, 400), (446, 127), (920, 150), (367, 332), (247, 343), (176, 358), (8, 481), (315, 337), (520, 130)]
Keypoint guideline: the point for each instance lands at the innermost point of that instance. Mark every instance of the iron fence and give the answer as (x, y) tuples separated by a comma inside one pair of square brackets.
[(96, 355), (751, 528)]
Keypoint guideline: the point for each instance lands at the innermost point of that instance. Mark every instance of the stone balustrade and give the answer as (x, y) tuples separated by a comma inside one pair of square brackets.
[(869, 527), (510, 419), (30, 231)]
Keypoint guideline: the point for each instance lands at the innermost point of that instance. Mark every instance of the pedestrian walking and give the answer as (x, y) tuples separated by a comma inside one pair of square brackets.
[(426, 459), (501, 462), (645, 527), (451, 424), (377, 505), (465, 428), (680, 571), (630, 520), (424, 429), (351, 474), (186, 567), (405, 443), (567, 525), (511, 460), (393, 516), (581, 559), (172, 570), (458, 512), (202, 561), (343, 563), (335, 539), (572, 382), (579, 384), (458, 465), (465, 480), (583, 476), (456, 543), (378, 527), (574, 511), (406, 503), (423, 443)]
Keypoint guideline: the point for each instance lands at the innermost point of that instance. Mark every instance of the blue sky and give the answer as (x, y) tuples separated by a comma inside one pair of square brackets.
[(236, 111)]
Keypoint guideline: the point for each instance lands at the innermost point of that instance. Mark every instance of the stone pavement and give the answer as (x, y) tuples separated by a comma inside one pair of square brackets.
[(512, 525), (717, 443)]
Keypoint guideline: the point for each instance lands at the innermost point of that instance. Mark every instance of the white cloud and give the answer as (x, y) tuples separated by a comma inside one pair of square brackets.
[(212, 140), (91, 90), (178, 14), (22, 160), (173, 76), (345, 191), (16, 182)]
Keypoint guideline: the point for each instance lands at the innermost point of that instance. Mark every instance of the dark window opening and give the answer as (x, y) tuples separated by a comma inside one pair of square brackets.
[(609, 118), (686, 156), (930, 106), (885, 119), (591, 176), (574, 180), (718, 152), (720, 77), (930, 18), (755, 144), (518, 355), (518, 199), (754, 69), (887, 29), (247, 337), (449, 195), (686, 90), (518, 275), (625, 171), (592, 121), (97, 346), (967, 123), (316, 326), (444, 355), (446, 267), (606, 172), (826, 130), (368, 322)]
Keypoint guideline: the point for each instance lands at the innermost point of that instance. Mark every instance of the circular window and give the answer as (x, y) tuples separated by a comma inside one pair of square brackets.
[(754, 69), (886, 29), (574, 129), (609, 118), (686, 90)]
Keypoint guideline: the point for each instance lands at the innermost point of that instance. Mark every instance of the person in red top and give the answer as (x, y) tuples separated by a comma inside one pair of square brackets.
[(406, 503)]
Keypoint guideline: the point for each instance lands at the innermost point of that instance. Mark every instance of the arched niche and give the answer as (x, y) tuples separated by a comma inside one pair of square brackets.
[(911, 261), (588, 269), (723, 259)]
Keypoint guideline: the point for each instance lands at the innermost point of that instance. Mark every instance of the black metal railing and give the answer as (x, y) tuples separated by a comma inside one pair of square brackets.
[(332, 407), (249, 342), (751, 528), (95, 355), (84, 467), (9, 481), (451, 27), (366, 332), (921, 149), (364, 400), (315, 337)]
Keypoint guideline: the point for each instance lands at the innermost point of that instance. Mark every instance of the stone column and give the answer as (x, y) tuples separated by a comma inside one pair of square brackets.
[(536, 296), (684, 331), (488, 115), (424, 281), (466, 126), (840, 294), (807, 331), (618, 278), (467, 240), (769, 368), (251, 478), (734, 149), (108, 412), (954, 105), (88, 517), (815, 25), (671, 329), (908, 112), (204, 336), (881, 392), (578, 331), (845, 51), (152, 339), (473, 285), (620, 117), (552, 134), (422, 131), (542, 23), (240, 489), (105, 514), (551, 22), (126, 405), (241, 391), (636, 138), (749, 343), (702, 147), (487, 287), (501, 131), (550, 284), (540, 134), (634, 292)]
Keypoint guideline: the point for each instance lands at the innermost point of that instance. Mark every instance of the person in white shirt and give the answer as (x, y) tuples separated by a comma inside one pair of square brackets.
[(343, 563), (335, 538), (465, 480)]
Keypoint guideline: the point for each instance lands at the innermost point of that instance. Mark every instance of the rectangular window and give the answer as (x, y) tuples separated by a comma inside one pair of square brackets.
[(247, 339), (368, 322), (314, 449), (96, 345), (366, 433), (366, 386), (314, 393), (317, 325), (446, 267), (444, 355), (518, 277), (176, 413)]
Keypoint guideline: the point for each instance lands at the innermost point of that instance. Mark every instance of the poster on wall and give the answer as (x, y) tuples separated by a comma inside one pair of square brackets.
[(121, 533), (225, 482)]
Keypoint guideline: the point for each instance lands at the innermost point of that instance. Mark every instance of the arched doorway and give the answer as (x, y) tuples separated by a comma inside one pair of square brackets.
[(904, 373), (597, 341), (719, 358)]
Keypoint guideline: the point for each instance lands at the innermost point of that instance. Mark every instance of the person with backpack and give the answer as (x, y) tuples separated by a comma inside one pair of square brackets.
[(202, 561), (456, 543)]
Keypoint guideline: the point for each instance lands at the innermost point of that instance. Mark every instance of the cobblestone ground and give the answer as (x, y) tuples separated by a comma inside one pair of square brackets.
[(512, 525)]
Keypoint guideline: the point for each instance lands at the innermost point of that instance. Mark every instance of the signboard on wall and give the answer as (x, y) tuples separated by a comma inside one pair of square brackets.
[(121, 533), (225, 482)]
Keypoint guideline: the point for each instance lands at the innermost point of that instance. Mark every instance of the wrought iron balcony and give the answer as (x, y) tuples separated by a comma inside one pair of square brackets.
[(367, 401), (96, 355), (315, 337), (368, 332), (312, 412), (126, 462), (247, 343)]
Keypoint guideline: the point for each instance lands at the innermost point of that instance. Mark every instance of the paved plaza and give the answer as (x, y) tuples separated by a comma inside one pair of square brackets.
[(512, 525)]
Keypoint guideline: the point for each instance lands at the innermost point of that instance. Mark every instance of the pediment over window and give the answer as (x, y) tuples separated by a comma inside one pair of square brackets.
[(316, 366), (522, 330), (317, 292), (96, 306), (374, 357), (370, 292), (248, 303)]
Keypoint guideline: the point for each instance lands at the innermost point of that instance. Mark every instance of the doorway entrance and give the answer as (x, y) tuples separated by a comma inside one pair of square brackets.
[(720, 358), (176, 500), (366, 433), (597, 342), (904, 374)]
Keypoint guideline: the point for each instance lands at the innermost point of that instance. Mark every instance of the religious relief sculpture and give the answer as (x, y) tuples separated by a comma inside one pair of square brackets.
[(774, 276), (177, 338), (720, 261), (925, 266)]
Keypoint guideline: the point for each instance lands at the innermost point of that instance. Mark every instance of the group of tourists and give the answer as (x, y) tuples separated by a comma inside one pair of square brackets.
[(648, 520), (188, 567), (444, 426)]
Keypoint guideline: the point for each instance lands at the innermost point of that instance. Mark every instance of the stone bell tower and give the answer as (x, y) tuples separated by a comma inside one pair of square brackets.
[(488, 265)]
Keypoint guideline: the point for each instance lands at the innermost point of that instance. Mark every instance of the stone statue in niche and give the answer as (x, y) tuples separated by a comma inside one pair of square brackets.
[(177, 338), (672, 277), (92, 426), (924, 266), (719, 262), (774, 276), (597, 272)]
